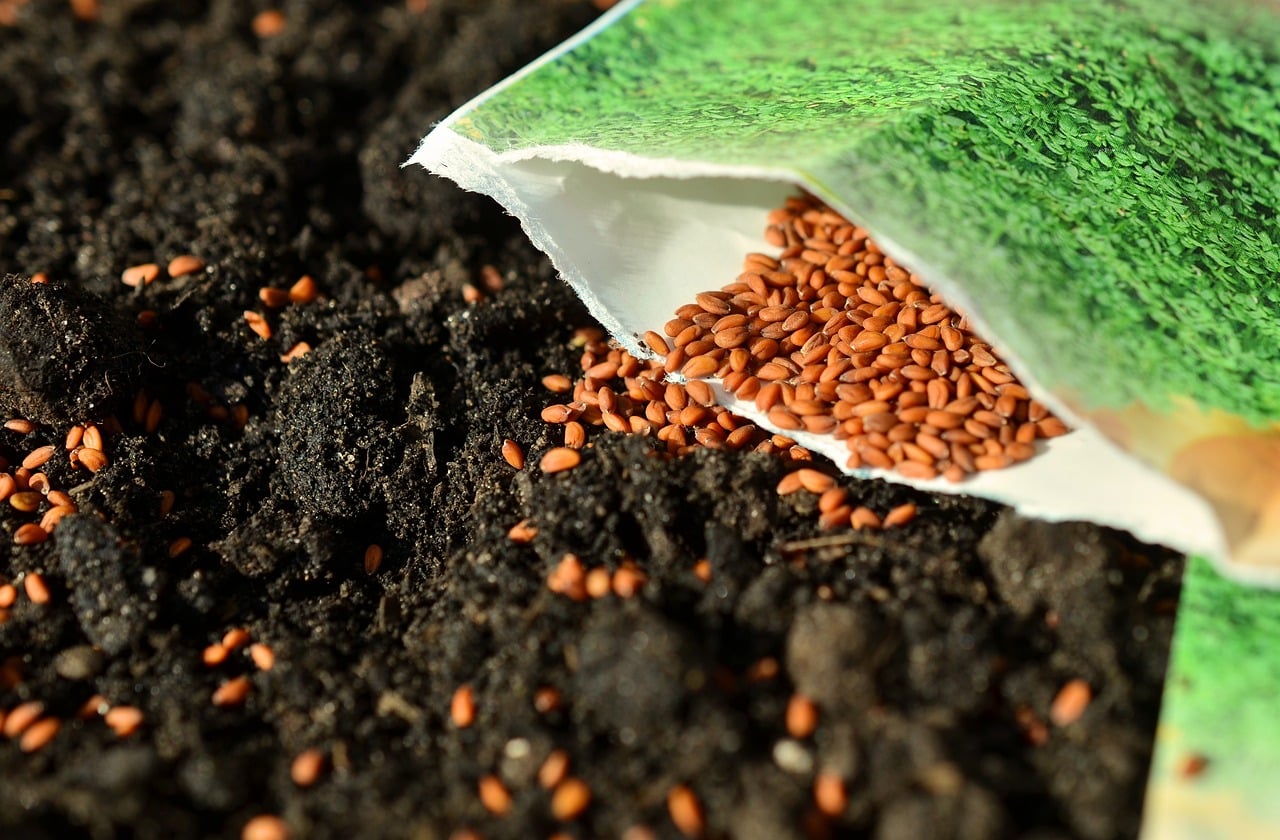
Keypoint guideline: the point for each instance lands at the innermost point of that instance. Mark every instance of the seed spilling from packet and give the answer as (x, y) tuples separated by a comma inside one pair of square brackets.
[(831, 336)]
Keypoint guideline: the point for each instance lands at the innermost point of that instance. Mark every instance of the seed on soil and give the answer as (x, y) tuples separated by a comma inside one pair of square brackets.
[(513, 454), (570, 799), (272, 297), (470, 294), (372, 559), (231, 693), (304, 291), (900, 515), (864, 517), (554, 769), (39, 734), (522, 532), (560, 459), (91, 459), (214, 655), (462, 708), (263, 656), (257, 323), (38, 457), (26, 501), (494, 796), (179, 547), (702, 570), (35, 586), (557, 383), (185, 264), (140, 275), (628, 581), (546, 700), (22, 716), (307, 767), (235, 638), (802, 716), (599, 582), (268, 24), (123, 720), (295, 352), (1070, 703), (8, 595), (22, 427), (92, 438), (265, 827), (829, 794), (685, 811)]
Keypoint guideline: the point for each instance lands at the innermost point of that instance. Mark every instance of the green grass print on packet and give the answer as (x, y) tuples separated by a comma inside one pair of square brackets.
[(1108, 172)]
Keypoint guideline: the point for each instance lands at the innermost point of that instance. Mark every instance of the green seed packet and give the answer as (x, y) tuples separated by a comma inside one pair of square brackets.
[(1095, 184)]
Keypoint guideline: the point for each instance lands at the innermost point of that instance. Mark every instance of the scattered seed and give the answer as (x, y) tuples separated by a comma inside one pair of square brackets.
[(39, 734), (494, 796), (304, 291), (8, 595), (307, 767), (123, 720), (92, 438), (900, 515), (802, 716), (263, 656), (522, 532), (546, 700), (155, 413), (599, 582), (273, 298), (21, 717), (702, 570), (513, 454), (560, 459), (185, 264), (265, 827), (22, 427), (462, 708), (91, 459), (372, 559), (93, 707), (554, 769), (569, 578), (863, 517), (570, 799), (214, 655), (140, 275), (470, 294), (268, 24), (257, 323), (829, 794), (166, 502), (235, 638), (295, 352), (628, 581), (557, 383), (38, 457), (36, 587), (179, 546), (26, 501), (685, 811), (1072, 699), (231, 693)]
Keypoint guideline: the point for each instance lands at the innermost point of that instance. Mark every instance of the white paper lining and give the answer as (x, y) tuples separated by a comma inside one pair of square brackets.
[(636, 238)]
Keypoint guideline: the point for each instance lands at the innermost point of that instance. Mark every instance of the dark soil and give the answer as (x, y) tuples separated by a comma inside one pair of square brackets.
[(934, 651)]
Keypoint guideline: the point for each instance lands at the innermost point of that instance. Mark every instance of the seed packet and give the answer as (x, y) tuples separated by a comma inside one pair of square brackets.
[(1092, 184)]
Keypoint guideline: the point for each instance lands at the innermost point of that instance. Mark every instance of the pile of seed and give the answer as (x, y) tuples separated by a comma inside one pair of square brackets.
[(829, 337)]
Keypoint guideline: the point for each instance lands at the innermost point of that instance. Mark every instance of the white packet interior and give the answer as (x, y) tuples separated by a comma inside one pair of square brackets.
[(636, 238)]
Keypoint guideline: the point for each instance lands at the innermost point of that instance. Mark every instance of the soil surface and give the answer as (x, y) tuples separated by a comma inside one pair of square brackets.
[(934, 652)]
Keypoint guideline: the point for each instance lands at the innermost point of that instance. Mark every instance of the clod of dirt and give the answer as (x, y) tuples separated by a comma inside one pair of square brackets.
[(832, 654), (334, 437), (64, 357), (112, 594)]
